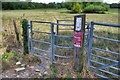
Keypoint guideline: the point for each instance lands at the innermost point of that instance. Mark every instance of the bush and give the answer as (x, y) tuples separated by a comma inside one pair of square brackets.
[(94, 9), (89, 9), (76, 8)]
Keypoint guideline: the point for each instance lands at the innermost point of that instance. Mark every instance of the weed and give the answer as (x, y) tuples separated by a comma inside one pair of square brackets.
[(5, 35), (54, 70), (10, 55), (79, 77)]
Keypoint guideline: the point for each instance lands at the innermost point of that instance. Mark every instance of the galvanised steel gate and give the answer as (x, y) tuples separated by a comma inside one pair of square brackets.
[(56, 33), (65, 32), (59, 40), (41, 42), (101, 59)]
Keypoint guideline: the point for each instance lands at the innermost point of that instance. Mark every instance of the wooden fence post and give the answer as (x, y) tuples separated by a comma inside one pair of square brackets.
[(79, 30), (25, 36), (17, 33)]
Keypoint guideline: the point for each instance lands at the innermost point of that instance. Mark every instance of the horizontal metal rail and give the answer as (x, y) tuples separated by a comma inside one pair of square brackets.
[(94, 68), (38, 21), (41, 41), (63, 56), (61, 36), (41, 50), (109, 39), (67, 29), (102, 76), (41, 32), (104, 64), (104, 58), (64, 24), (66, 20), (108, 51), (62, 47), (106, 24), (107, 66), (70, 21), (41, 56)]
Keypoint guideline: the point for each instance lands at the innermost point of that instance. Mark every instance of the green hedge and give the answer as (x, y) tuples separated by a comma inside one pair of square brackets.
[(95, 9)]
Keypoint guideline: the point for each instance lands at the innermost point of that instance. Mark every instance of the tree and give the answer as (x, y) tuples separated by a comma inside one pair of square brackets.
[(115, 5), (77, 8), (69, 5)]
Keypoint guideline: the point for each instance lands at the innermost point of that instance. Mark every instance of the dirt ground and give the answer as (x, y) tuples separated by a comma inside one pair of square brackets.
[(36, 67), (32, 69), (45, 71)]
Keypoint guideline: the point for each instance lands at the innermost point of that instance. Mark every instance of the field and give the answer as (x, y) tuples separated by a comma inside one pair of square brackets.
[(60, 14), (51, 15), (114, 11)]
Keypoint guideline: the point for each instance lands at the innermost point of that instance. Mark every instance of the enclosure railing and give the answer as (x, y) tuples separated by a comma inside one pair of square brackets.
[(90, 27), (54, 38), (31, 40), (87, 29), (68, 27), (103, 67)]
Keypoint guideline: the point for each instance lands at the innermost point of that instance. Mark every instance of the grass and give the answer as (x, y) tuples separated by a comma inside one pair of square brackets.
[(53, 14), (49, 15), (54, 70), (9, 55), (9, 59), (113, 11)]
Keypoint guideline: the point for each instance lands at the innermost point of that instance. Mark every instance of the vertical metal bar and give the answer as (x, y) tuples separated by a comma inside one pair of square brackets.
[(31, 47), (90, 41), (57, 32), (52, 43)]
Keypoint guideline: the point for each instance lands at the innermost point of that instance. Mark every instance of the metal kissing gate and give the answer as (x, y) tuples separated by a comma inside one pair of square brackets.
[(104, 62)]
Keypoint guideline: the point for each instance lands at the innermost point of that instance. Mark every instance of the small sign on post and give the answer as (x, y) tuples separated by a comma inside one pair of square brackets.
[(78, 36), (79, 30)]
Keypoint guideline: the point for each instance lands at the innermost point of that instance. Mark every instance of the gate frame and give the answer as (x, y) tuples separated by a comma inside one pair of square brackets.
[(90, 37), (91, 47), (30, 44)]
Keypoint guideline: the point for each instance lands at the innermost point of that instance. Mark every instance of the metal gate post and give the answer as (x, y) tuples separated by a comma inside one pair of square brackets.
[(52, 43), (90, 41), (31, 47)]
